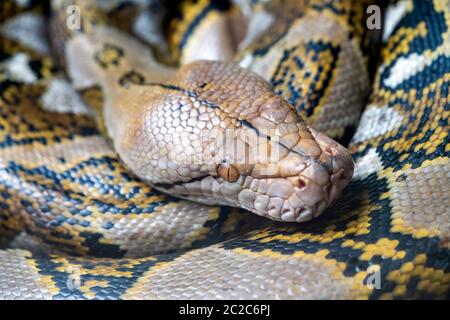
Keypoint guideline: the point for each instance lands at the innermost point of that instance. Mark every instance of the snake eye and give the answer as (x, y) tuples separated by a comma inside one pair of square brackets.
[(228, 172)]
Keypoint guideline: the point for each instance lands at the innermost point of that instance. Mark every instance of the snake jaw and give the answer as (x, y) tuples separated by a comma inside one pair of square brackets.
[(303, 186), (283, 199)]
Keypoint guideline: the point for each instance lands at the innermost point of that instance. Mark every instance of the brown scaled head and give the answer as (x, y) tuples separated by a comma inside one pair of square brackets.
[(250, 147)]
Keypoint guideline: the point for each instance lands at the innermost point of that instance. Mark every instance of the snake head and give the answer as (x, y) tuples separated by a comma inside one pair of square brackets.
[(217, 134)]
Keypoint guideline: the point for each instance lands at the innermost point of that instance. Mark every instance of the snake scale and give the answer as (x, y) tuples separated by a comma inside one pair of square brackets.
[(77, 221)]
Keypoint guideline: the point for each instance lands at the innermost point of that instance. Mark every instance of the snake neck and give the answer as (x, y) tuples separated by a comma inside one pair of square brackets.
[(98, 55)]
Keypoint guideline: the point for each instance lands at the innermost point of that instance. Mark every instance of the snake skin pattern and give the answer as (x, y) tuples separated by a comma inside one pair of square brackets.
[(76, 224)]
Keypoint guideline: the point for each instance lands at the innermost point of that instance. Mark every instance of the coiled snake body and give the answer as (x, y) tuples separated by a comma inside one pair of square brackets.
[(76, 223)]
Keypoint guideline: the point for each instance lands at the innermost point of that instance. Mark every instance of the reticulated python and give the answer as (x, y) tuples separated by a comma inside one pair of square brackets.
[(75, 223)]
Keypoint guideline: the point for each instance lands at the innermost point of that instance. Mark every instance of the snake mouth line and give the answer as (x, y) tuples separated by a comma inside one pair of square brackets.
[(171, 185)]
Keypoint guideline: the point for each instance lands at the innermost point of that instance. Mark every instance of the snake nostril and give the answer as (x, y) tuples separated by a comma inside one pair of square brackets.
[(301, 183), (203, 84)]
